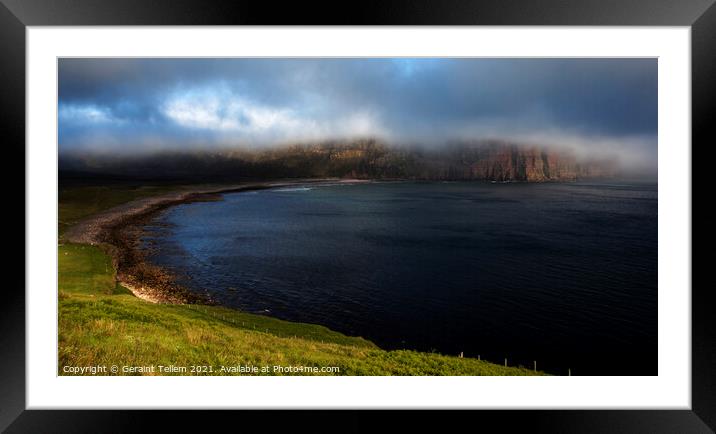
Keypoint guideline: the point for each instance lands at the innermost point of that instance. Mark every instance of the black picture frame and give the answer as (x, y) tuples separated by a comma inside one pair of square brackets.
[(16, 15)]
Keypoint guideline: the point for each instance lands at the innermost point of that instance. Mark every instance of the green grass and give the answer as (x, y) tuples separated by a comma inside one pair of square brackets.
[(102, 323), (76, 203)]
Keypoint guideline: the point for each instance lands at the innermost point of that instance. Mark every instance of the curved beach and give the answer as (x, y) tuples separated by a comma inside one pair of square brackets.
[(119, 229)]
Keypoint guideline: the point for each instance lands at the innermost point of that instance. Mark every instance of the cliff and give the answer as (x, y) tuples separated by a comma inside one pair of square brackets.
[(512, 162), (367, 159)]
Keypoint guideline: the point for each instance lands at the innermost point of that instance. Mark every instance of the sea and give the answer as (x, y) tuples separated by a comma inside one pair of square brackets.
[(563, 275)]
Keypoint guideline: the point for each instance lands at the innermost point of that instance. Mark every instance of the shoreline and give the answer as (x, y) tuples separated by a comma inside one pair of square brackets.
[(119, 229)]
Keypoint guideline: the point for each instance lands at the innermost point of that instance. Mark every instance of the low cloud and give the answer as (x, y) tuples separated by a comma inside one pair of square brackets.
[(594, 106)]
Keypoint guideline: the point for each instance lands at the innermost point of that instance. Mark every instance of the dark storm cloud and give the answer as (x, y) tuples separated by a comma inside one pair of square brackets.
[(136, 104)]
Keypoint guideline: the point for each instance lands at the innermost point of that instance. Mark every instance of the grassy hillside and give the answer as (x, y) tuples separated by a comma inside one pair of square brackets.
[(102, 323)]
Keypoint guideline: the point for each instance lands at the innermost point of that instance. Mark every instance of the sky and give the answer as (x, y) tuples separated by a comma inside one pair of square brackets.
[(138, 104)]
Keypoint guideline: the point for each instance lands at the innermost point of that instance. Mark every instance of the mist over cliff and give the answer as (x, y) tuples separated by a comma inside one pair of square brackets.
[(534, 119), (487, 160)]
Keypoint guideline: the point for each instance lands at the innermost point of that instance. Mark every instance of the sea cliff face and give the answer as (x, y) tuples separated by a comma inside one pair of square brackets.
[(510, 162), (362, 159)]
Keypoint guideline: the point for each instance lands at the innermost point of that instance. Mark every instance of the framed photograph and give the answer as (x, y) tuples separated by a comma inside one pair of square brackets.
[(470, 206)]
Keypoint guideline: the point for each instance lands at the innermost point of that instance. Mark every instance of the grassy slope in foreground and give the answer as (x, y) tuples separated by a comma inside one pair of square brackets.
[(101, 323)]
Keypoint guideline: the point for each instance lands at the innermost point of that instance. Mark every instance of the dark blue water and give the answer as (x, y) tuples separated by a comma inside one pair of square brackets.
[(564, 274)]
